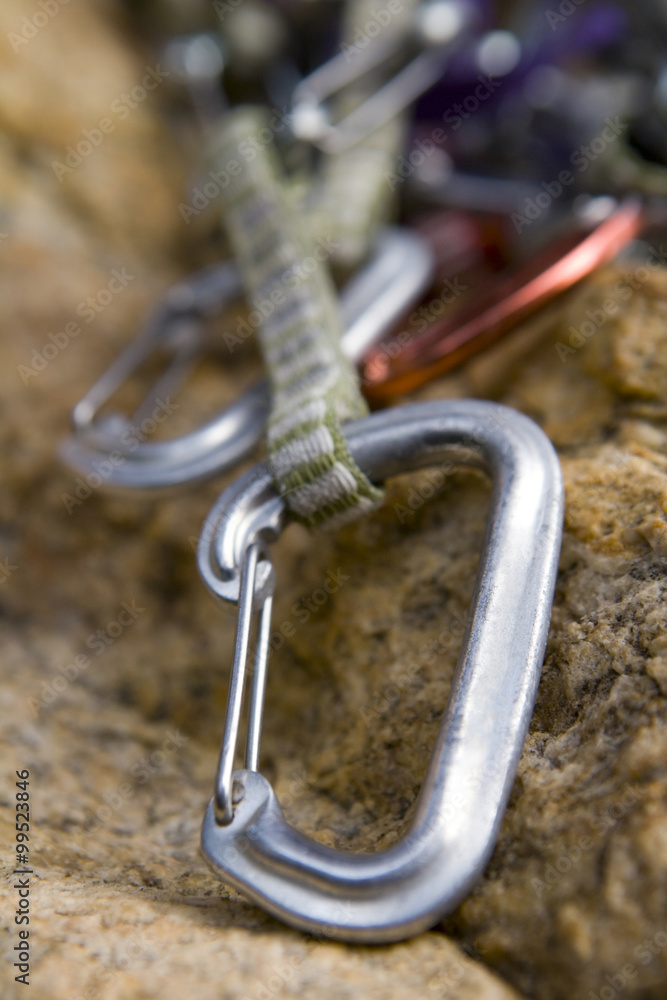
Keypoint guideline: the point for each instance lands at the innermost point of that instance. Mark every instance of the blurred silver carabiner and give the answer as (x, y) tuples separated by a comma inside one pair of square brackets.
[(403, 890), (397, 275), (438, 26)]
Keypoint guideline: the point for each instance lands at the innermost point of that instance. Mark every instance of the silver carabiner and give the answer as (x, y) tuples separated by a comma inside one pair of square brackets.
[(403, 890), (438, 26), (397, 275)]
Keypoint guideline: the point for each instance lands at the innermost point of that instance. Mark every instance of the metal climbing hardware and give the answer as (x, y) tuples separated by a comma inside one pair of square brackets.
[(396, 276), (598, 234), (437, 27), (403, 890)]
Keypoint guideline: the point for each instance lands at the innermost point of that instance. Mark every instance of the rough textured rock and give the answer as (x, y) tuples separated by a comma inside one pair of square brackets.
[(122, 750)]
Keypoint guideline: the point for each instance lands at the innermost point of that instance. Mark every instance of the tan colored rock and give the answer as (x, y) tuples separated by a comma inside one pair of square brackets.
[(628, 306), (68, 82)]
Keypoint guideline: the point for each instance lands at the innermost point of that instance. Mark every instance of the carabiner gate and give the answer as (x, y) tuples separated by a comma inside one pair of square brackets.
[(398, 273), (438, 25)]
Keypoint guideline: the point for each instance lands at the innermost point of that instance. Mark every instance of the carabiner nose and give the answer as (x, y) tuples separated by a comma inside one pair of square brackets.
[(403, 890)]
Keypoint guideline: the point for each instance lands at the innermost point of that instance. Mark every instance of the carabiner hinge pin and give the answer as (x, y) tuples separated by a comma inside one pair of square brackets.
[(226, 789)]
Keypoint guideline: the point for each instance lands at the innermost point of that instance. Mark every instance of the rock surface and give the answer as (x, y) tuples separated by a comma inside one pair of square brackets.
[(122, 743)]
